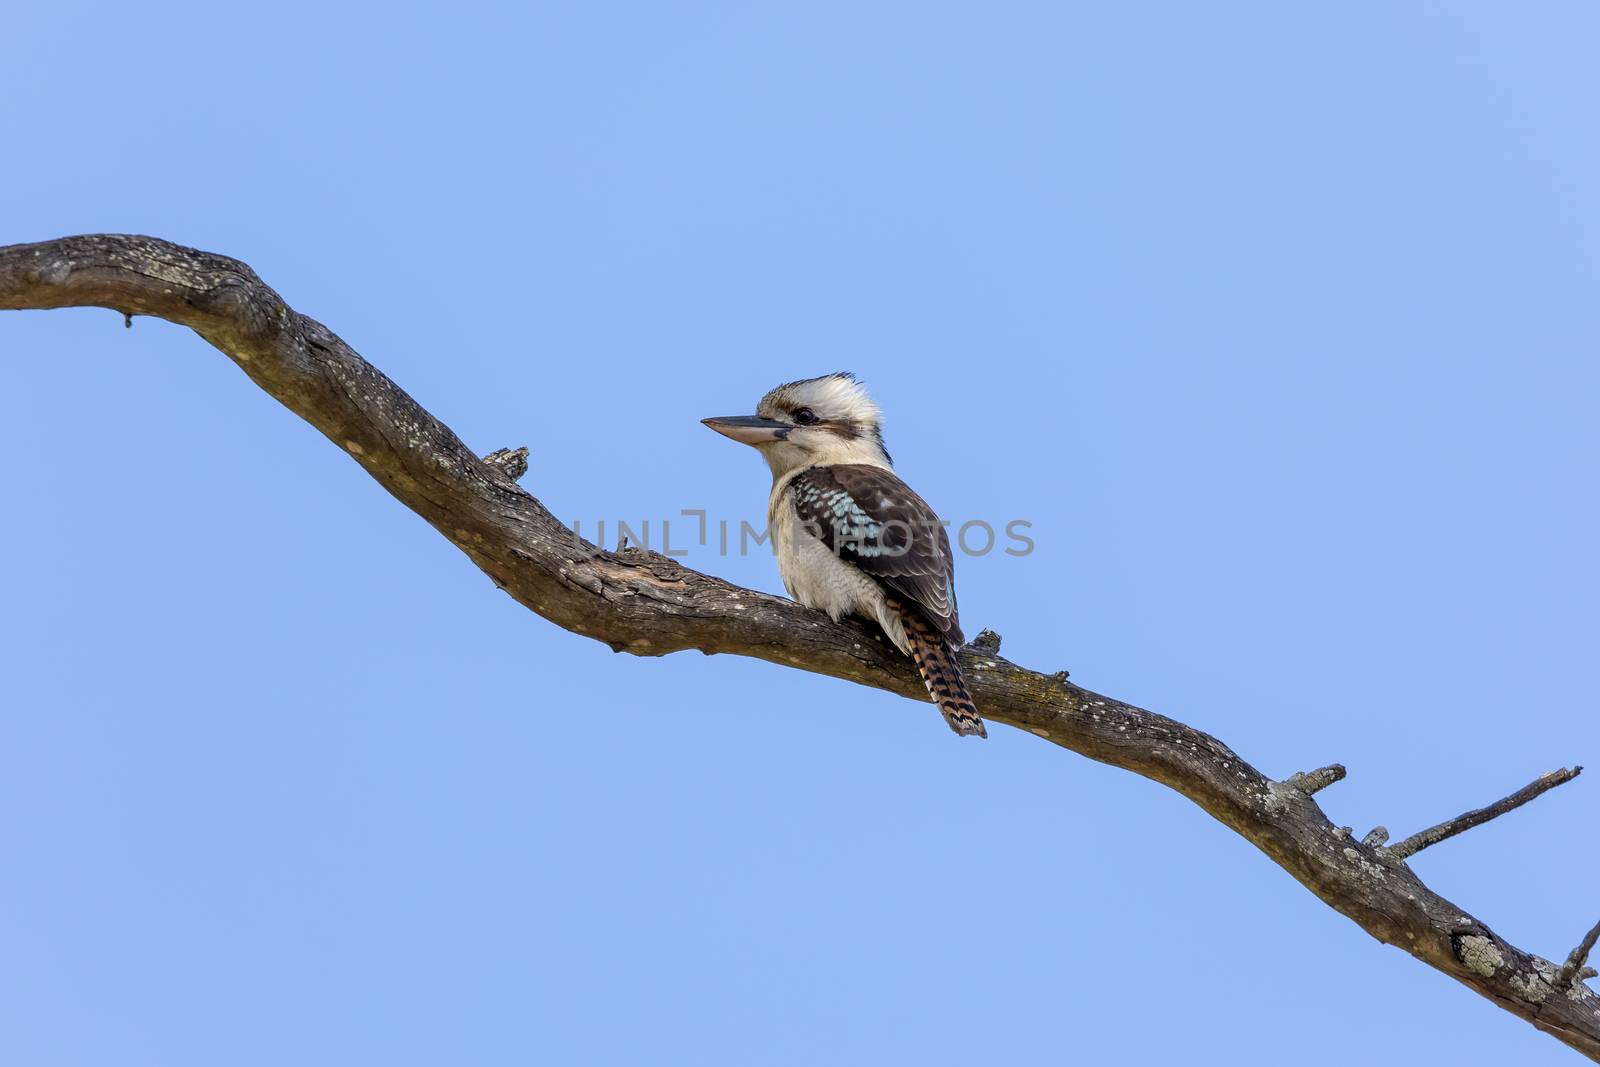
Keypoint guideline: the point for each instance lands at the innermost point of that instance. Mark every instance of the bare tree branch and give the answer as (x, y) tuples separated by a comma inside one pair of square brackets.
[(640, 602), (1478, 816)]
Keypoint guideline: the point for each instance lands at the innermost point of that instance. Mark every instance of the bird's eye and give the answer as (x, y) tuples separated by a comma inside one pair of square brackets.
[(805, 417)]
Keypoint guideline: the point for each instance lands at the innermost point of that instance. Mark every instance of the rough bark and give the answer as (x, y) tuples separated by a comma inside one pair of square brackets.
[(640, 602)]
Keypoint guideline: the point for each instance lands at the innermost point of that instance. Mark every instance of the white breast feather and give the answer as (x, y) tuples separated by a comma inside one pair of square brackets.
[(817, 578)]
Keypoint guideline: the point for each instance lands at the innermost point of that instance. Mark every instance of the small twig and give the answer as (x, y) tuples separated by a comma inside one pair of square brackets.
[(512, 462), (1309, 782), (1451, 827), (1574, 969)]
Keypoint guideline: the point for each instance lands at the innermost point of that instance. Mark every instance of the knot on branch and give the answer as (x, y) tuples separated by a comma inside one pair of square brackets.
[(1477, 953), (1309, 782), (512, 462), (987, 641)]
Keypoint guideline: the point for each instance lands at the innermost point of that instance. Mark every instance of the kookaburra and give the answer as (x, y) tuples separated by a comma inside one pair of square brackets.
[(850, 536)]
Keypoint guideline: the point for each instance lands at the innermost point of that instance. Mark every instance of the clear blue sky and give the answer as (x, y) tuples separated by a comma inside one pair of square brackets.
[(1279, 324)]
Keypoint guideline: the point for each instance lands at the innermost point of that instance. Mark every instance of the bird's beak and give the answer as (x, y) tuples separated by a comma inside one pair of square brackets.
[(750, 429)]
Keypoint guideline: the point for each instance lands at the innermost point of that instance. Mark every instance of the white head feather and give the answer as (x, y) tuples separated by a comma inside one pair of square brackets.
[(837, 397), (844, 424)]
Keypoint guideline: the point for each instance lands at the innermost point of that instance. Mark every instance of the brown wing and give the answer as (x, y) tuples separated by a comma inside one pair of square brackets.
[(869, 517)]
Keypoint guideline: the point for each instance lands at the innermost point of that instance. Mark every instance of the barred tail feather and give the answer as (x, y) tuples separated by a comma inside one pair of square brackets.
[(941, 672)]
